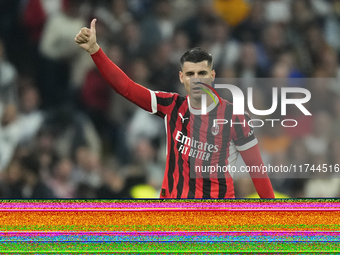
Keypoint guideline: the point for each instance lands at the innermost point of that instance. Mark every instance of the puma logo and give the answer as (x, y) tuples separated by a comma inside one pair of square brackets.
[(183, 119)]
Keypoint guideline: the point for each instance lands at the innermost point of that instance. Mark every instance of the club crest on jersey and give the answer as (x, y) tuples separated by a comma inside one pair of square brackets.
[(215, 129)]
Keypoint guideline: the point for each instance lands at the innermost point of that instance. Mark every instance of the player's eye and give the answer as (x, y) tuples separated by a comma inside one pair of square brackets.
[(190, 73), (202, 73)]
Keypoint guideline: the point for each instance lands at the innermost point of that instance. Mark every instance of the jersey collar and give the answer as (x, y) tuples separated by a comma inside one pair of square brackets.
[(196, 111)]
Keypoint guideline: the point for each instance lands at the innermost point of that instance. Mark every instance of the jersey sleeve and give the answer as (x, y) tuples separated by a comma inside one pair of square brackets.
[(162, 102), (243, 133), (121, 83), (252, 157), (156, 102)]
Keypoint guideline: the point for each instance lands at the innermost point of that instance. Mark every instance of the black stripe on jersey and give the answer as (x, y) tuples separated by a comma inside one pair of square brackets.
[(162, 115), (172, 158), (164, 101), (192, 187), (241, 139), (238, 129), (196, 125), (222, 182), (210, 139), (180, 159)]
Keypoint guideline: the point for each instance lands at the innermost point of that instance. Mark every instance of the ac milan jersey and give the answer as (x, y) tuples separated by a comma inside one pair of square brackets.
[(195, 143)]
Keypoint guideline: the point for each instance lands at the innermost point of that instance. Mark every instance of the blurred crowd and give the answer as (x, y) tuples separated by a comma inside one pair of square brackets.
[(64, 133)]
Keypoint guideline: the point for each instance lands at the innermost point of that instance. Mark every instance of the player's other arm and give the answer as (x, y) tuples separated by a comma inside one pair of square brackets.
[(118, 80), (252, 157), (246, 144)]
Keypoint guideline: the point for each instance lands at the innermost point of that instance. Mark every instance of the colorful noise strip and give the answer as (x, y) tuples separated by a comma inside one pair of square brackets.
[(170, 226)]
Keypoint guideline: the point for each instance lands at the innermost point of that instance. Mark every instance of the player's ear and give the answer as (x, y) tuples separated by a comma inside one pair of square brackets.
[(181, 78), (213, 74)]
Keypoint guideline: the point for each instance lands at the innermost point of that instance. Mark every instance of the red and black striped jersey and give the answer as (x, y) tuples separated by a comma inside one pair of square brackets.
[(195, 142)]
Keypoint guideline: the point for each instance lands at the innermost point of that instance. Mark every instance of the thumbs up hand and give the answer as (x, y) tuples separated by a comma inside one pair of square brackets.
[(86, 38)]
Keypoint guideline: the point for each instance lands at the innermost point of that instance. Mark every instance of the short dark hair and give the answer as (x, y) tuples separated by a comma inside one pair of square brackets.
[(196, 55)]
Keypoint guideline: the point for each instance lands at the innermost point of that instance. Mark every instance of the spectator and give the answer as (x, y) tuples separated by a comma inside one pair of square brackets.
[(183, 9), (72, 129), (158, 26), (114, 185), (305, 122), (105, 107), (274, 140), (145, 155), (95, 98), (320, 89), (132, 40), (87, 169), (224, 50), (321, 184), (10, 132), (114, 16), (332, 26), (13, 178), (161, 67), (8, 76), (336, 116), (62, 60), (315, 44), (32, 187), (334, 149), (251, 28), (61, 182), (35, 15), (317, 142), (247, 66), (298, 153), (30, 116), (330, 66), (272, 45), (123, 110), (139, 8), (43, 147), (302, 17), (277, 11), (233, 11), (180, 43), (195, 26)]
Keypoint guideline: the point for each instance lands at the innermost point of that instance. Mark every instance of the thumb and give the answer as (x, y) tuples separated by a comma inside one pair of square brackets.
[(93, 26)]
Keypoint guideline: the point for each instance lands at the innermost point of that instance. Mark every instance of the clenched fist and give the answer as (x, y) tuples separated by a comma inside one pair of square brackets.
[(86, 38)]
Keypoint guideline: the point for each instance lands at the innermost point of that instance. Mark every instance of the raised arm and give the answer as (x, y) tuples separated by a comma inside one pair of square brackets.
[(118, 80)]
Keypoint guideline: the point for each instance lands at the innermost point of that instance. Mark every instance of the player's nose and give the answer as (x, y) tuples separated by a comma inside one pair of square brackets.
[(195, 78)]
